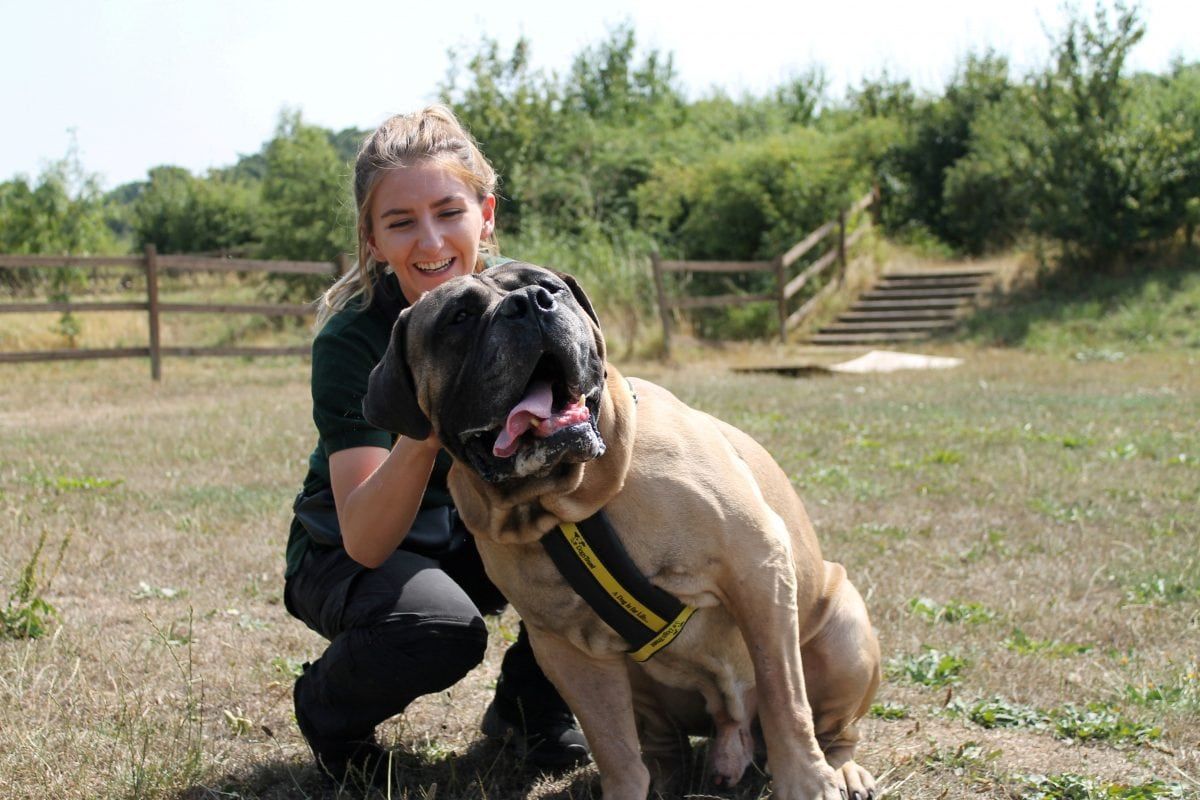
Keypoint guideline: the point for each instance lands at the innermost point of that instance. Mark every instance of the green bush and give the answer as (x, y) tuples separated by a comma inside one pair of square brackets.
[(180, 213), (1111, 161)]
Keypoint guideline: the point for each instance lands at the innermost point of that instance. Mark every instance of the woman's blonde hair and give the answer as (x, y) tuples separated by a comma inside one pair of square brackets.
[(434, 135)]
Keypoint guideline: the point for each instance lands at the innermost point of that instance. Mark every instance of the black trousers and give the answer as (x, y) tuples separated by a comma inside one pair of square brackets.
[(410, 627)]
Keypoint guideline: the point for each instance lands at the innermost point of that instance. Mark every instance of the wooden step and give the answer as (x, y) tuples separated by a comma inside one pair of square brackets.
[(908, 304), (885, 327), (890, 282), (882, 293), (903, 314)]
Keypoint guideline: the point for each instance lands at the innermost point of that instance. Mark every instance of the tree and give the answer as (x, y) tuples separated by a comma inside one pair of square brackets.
[(180, 213), (1082, 191), (606, 85), (883, 97), (305, 210), (63, 212), (512, 111)]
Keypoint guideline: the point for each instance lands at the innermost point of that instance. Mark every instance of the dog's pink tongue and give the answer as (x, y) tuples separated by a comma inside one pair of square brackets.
[(533, 408), (535, 411)]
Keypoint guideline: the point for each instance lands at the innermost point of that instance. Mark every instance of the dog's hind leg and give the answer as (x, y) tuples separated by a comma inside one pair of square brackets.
[(842, 672), (732, 747)]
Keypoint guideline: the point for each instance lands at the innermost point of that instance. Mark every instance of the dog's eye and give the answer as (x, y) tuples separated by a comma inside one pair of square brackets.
[(460, 316)]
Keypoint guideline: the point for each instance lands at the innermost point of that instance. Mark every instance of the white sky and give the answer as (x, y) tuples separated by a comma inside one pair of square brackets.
[(198, 82)]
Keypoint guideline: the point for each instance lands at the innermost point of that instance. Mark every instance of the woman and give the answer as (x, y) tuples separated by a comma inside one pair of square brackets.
[(377, 561)]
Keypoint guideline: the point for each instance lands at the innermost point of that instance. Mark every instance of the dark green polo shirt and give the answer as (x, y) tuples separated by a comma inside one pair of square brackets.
[(344, 352)]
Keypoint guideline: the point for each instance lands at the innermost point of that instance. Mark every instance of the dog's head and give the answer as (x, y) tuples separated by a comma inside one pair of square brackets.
[(505, 366)]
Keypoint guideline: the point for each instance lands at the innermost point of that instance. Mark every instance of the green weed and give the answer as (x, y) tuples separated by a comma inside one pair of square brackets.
[(288, 667), (236, 721), (65, 484), (1077, 787), (894, 532), (943, 457), (1062, 512), (1124, 452), (1018, 642), (992, 543), (952, 611), (27, 614), (1000, 713), (1182, 693), (931, 668), (1094, 722), (889, 711), (968, 762), (1100, 722), (1159, 590), (72, 483)]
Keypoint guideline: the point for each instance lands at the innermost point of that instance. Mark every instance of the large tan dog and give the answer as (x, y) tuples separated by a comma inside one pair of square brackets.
[(508, 369)]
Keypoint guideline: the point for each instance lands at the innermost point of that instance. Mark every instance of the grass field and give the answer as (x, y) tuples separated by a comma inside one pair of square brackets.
[(1024, 528)]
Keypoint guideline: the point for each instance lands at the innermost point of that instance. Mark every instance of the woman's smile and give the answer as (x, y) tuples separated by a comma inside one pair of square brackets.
[(427, 225)]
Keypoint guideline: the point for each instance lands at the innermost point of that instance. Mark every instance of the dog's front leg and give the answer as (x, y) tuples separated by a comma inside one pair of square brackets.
[(771, 631), (598, 692)]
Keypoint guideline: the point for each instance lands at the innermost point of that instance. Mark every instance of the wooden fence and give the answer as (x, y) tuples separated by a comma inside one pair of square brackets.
[(153, 264), (785, 288)]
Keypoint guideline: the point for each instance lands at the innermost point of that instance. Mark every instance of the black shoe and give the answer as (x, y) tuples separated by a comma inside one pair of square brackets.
[(360, 764), (550, 740)]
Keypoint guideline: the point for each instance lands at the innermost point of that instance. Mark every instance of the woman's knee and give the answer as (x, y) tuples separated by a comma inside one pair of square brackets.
[(432, 655)]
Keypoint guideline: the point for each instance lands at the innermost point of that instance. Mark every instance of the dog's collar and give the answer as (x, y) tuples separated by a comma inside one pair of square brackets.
[(593, 561)]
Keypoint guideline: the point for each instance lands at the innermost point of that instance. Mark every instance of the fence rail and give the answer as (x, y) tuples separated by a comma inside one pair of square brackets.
[(786, 288), (152, 264)]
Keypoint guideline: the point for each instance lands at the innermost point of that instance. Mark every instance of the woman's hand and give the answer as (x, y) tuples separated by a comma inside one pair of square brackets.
[(378, 493)]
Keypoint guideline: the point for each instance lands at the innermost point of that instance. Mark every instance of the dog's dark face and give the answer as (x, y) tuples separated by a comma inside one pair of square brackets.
[(506, 366)]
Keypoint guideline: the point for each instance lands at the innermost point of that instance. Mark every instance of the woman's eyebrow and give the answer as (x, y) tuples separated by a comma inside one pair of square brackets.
[(447, 200)]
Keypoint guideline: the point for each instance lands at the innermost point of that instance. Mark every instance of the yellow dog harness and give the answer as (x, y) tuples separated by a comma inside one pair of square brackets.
[(591, 558)]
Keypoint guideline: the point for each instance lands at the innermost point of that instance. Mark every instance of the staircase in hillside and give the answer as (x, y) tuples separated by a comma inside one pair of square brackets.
[(907, 307)]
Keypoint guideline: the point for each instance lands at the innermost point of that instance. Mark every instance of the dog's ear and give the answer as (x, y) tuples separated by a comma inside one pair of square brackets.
[(582, 299), (579, 295), (391, 401)]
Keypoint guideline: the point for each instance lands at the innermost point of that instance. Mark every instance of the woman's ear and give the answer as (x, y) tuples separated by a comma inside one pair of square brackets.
[(375, 254), (488, 207)]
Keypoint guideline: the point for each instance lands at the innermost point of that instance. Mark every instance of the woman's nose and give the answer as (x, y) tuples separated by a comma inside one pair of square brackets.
[(429, 236)]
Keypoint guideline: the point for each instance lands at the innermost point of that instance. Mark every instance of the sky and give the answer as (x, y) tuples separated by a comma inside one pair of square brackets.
[(134, 84)]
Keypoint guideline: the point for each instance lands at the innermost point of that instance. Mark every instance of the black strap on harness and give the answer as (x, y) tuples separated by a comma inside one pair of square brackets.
[(593, 561)]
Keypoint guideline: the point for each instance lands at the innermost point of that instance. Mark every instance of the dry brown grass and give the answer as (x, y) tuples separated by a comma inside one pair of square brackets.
[(1063, 498)]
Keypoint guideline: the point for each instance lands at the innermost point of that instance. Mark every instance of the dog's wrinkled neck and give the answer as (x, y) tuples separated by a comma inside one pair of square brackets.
[(523, 511)]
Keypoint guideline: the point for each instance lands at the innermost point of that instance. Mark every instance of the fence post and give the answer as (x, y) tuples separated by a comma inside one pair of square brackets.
[(152, 307), (341, 266), (841, 247), (663, 311), (780, 286)]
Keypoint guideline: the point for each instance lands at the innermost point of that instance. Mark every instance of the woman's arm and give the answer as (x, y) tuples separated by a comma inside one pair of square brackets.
[(378, 493)]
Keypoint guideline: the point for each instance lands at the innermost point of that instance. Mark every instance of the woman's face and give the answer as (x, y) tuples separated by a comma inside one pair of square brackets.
[(427, 224)]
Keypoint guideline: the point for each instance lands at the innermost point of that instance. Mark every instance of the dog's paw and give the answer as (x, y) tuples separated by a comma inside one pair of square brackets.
[(857, 783), (731, 752), (821, 782)]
